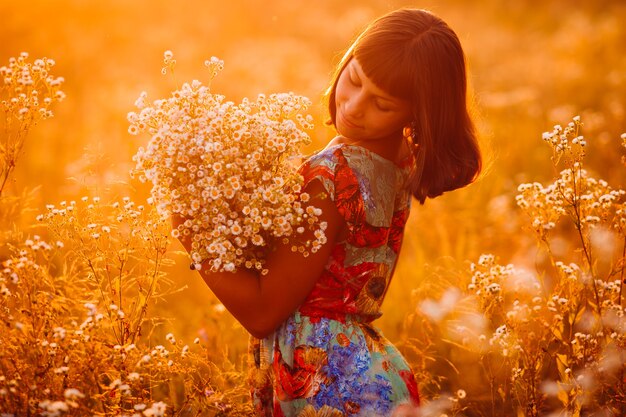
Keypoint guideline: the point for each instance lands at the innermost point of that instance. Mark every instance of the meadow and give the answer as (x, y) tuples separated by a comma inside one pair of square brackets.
[(507, 299)]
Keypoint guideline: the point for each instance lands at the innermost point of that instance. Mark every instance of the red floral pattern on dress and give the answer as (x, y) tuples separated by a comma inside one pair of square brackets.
[(303, 378)]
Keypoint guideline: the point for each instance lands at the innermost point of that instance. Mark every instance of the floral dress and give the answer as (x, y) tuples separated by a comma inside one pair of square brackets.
[(327, 359)]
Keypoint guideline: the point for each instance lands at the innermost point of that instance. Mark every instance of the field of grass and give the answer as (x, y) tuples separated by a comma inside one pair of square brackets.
[(122, 320)]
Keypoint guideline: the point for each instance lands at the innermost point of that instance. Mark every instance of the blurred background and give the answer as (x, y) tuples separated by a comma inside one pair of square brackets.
[(531, 65)]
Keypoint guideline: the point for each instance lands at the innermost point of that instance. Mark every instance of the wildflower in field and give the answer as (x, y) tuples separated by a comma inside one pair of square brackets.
[(27, 92), (53, 408), (575, 194), (487, 280), (566, 321), (229, 169), (156, 410), (74, 309)]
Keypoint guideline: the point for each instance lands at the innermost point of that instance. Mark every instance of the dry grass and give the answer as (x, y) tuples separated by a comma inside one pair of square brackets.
[(507, 301)]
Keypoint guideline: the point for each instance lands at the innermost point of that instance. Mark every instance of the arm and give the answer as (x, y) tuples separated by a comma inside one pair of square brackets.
[(262, 303)]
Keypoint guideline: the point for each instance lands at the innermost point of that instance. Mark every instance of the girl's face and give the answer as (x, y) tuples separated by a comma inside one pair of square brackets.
[(364, 112)]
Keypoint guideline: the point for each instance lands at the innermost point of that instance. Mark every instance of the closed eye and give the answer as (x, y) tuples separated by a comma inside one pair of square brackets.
[(381, 107), (354, 79)]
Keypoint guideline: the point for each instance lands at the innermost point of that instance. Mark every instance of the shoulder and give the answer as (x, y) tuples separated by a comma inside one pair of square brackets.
[(339, 159), (324, 160), (330, 166), (337, 152)]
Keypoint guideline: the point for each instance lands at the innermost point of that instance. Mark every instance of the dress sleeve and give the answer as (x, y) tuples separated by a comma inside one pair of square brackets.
[(321, 166), (340, 181)]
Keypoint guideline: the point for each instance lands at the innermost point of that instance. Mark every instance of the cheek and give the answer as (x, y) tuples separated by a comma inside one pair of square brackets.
[(390, 123), (341, 91)]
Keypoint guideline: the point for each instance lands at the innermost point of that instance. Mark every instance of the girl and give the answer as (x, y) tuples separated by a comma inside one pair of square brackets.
[(398, 103)]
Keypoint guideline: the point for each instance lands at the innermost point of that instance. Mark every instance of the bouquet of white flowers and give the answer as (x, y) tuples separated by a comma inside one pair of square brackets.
[(228, 169)]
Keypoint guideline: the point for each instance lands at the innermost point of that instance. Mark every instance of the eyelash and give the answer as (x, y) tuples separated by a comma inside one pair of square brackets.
[(382, 108)]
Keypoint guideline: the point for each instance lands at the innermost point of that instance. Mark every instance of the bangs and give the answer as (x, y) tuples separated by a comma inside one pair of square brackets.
[(389, 67)]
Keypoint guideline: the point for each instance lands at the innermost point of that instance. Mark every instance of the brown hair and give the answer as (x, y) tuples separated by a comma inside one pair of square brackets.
[(414, 55)]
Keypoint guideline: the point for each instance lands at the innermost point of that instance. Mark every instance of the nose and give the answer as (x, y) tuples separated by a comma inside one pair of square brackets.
[(353, 106)]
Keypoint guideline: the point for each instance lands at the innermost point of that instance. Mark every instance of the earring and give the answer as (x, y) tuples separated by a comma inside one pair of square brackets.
[(407, 132), (410, 134)]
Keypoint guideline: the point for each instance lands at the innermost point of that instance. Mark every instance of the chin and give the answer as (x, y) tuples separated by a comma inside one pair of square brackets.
[(346, 132)]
